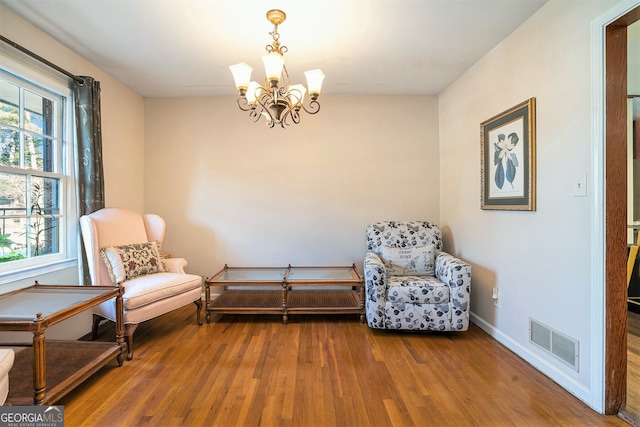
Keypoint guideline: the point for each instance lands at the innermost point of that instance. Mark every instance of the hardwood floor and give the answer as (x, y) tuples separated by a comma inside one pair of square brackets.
[(251, 370), (632, 408)]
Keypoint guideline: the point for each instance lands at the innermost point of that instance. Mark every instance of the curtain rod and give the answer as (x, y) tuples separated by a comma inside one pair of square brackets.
[(41, 59)]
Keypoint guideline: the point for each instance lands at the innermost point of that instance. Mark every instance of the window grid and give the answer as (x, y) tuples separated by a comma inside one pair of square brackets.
[(31, 191)]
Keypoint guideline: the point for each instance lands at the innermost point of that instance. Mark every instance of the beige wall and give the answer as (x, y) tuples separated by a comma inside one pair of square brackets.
[(237, 192), (540, 261)]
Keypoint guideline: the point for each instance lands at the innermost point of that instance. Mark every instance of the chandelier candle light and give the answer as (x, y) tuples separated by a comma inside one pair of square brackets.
[(277, 100)]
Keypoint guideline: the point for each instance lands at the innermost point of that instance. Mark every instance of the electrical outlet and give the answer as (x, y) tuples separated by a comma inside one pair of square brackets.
[(495, 293)]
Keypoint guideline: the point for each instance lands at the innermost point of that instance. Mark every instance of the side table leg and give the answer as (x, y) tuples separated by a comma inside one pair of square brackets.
[(120, 326), (285, 315), (39, 363), (207, 300)]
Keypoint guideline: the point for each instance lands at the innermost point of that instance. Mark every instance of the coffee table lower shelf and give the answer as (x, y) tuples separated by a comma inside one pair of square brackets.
[(303, 301), (68, 363)]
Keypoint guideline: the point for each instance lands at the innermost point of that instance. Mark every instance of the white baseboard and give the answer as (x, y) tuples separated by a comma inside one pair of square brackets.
[(542, 365)]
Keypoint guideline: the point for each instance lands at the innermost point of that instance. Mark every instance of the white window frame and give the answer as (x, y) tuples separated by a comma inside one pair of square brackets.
[(67, 257)]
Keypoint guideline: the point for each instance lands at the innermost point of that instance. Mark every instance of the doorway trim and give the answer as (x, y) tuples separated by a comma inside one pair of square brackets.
[(608, 299)]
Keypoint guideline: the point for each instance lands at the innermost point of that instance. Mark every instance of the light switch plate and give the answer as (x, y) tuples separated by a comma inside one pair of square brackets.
[(580, 186)]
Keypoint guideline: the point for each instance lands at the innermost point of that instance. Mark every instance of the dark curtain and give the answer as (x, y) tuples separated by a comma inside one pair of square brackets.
[(89, 136)]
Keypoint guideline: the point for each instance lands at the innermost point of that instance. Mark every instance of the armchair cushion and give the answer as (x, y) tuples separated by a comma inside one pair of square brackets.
[(151, 288), (417, 290), (126, 262), (412, 260)]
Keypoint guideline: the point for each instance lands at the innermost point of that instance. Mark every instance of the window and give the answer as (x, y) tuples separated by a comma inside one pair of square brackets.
[(35, 181)]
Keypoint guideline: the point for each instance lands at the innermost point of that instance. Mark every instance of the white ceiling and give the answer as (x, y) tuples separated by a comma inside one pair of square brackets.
[(165, 48)]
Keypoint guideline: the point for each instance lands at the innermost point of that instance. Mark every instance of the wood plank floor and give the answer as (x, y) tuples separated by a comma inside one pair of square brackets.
[(250, 370), (632, 409)]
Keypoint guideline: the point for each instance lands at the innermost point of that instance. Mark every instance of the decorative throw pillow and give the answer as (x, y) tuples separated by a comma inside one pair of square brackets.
[(416, 260), (128, 261)]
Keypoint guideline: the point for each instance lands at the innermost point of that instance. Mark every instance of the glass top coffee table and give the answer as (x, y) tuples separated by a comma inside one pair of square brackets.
[(286, 290)]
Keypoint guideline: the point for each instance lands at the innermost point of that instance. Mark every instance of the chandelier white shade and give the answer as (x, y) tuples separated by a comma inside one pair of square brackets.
[(241, 74), (276, 99)]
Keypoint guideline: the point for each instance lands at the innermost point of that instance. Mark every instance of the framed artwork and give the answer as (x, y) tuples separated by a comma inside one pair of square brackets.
[(508, 160)]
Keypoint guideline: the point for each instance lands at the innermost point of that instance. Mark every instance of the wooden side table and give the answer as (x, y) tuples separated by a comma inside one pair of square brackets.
[(38, 307)]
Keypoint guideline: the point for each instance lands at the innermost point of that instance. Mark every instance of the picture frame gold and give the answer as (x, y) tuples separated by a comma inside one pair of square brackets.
[(508, 159)]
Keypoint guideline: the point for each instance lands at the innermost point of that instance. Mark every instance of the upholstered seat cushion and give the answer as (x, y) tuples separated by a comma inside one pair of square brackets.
[(417, 317), (416, 290), (6, 362), (150, 288)]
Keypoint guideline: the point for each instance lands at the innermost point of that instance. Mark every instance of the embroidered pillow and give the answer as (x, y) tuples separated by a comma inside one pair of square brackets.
[(416, 260), (128, 261)]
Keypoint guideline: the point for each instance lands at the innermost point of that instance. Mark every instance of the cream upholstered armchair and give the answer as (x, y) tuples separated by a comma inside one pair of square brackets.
[(7, 357), (410, 282), (123, 248)]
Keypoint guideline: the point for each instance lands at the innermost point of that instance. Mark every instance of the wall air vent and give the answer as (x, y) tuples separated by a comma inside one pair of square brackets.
[(560, 346)]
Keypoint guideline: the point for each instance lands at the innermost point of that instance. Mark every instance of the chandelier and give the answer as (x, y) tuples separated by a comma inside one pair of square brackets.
[(276, 100)]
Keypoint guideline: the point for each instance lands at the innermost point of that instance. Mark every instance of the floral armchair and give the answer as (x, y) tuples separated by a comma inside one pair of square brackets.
[(123, 249), (410, 282)]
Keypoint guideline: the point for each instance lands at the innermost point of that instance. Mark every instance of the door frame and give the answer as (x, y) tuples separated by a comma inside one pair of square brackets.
[(609, 221)]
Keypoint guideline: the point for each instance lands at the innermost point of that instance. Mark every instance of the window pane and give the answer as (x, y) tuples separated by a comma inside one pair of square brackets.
[(38, 153), (32, 152), (47, 154), (13, 246), (43, 235), (44, 196), (43, 229), (9, 100), (13, 236), (28, 232), (38, 113), (9, 147), (12, 192)]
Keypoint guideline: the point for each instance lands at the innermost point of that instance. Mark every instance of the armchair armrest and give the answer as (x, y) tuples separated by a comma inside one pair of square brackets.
[(175, 265), (375, 276), (456, 274)]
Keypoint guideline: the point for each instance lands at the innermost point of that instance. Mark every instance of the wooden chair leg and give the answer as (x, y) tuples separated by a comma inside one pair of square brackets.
[(198, 304), (129, 329), (94, 328)]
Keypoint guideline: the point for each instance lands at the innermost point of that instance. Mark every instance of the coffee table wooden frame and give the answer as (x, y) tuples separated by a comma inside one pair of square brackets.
[(312, 295), (96, 354)]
